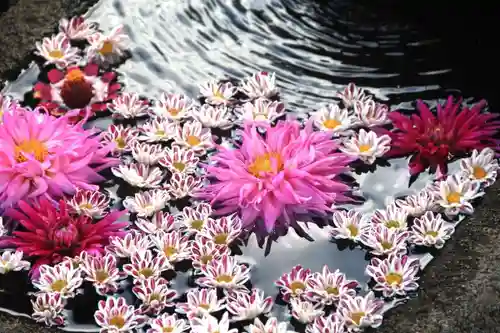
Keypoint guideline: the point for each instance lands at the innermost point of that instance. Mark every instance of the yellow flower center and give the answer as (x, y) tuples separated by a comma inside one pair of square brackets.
[(193, 140), (117, 321), (224, 278), (332, 291), (431, 233), (57, 54), (453, 197), (120, 142), (106, 48), (479, 172), (386, 245), (160, 133), (364, 148), (197, 224), (356, 317), (221, 239), (394, 278), (331, 123), (87, 205), (173, 111), (392, 224), (204, 306), (146, 272), (269, 162), (179, 166), (75, 75), (169, 251), (101, 275), (169, 329), (205, 259), (295, 286), (33, 147), (353, 230), (218, 94), (58, 285), (154, 297)]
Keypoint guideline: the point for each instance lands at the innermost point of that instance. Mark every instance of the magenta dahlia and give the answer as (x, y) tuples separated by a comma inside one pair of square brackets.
[(272, 179), (47, 233), (433, 140), (44, 156)]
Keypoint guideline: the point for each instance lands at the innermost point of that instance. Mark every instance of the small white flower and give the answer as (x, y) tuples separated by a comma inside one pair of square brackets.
[(172, 245), (294, 283), (225, 273), (210, 324), (328, 287), (248, 306), (10, 261), (108, 49), (222, 231), (352, 94), (157, 130), (144, 265), (349, 225), (115, 316), (155, 295), (62, 278), (391, 217), (179, 160), (217, 93), (203, 250), (131, 243), (146, 153), (200, 302), (139, 175), (182, 185), (361, 312), (77, 28), (272, 325), (121, 137), (129, 106), (370, 113), (192, 135), (261, 84), (456, 193), (57, 50), (384, 241), (167, 323), (417, 204), (161, 222), (213, 117), (333, 119), (430, 230), (481, 166), (102, 272), (145, 204), (305, 311), (174, 107), (367, 146), (327, 324), (48, 308), (195, 217), (260, 111), (93, 204)]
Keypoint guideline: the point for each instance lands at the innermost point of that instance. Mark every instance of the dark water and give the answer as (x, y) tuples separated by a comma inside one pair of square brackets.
[(315, 48)]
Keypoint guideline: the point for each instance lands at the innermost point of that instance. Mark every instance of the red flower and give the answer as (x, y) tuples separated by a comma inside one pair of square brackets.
[(49, 234), (433, 140), (77, 88)]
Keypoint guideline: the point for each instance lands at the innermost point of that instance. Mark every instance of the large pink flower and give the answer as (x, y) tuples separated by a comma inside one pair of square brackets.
[(41, 155), (48, 234), (274, 178)]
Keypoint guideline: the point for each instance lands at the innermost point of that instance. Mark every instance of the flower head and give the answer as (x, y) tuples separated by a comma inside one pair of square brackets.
[(328, 287), (391, 217), (62, 279), (384, 241), (115, 316), (77, 28), (179, 160), (155, 295), (371, 113), (93, 204), (288, 172), (139, 175), (182, 185), (192, 135), (367, 146), (272, 325), (57, 50), (13, 261), (249, 306), (172, 245), (144, 265), (294, 283), (417, 204), (129, 105), (103, 272), (455, 195), (304, 311), (48, 308), (8, 105), (430, 230), (174, 107), (145, 204), (167, 323), (327, 324), (332, 118), (260, 85), (121, 137), (349, 225), (132, 242), (157, 130), (201, 302), (481, 167), (160, 223), (222, 231), (217, 93), (225, 273), (203, 250), (360, 312), (213, 117), (195, 217), (352, 94), (261, 111), (107, 49)]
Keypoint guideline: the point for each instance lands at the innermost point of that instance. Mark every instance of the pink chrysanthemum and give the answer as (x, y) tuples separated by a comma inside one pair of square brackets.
[(48, 233), (274, 178), (44, 156), (433, 140)]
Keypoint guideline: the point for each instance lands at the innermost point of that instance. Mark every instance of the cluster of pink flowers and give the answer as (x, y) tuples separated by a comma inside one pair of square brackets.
[(273, 172)]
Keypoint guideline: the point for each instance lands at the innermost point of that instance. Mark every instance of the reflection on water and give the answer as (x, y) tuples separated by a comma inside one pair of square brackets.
[(315, 48)]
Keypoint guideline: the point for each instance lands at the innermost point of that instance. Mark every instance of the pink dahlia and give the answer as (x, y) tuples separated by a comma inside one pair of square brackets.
[(41, 155), (77, 88), (433, 140), (47, 233), (272, 179)]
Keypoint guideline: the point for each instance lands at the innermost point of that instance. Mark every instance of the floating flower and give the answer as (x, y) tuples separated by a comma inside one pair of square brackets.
[(222, 231), (7, 104), (102, 272), (326, 324), (155, 295), (455, 194), (132, 242), (367, 146), (146, 153), (157, 130), (121, 137), (203, 250), (172, 245), (210, 324), (51, 233), (48, 308), (328, 287), (333, 119), (93, 204), (77, 88), (384, 241), (430, 230), (128, 106), (224, 273), (195, 217), (139, 175), (143, 265), (272, 325), (179, 160), (433, 140), (360, 312), (182, 185), (13, 262), (278, 177), (392, 217), (394, 275), (248, 306), (217, 94), (294, 283), (417, 204), (47, 157), (200, 302), (57, 50), (174, 107), (261, 84), (193, 136), (349, 225), (481, 167), (213, 117), (62, 279), (145, 204), (160, 223), (260, 111), (370, 113), (77, 28), (305, 311), (107, 49), (115, 316), (352, 94), (167, 323)]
